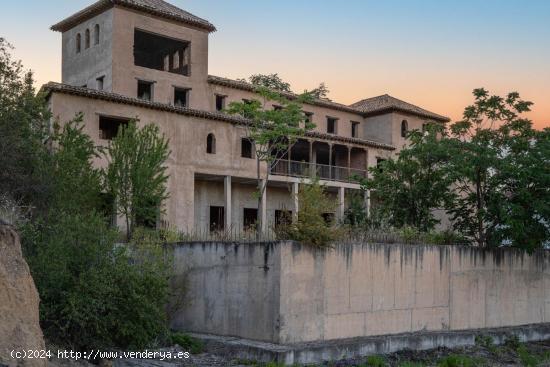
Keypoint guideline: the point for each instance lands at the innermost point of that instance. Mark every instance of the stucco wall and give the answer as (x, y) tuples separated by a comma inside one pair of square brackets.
[(364, 290)]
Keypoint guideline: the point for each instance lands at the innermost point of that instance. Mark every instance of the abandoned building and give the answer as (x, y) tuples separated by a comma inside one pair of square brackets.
[(147, 59)]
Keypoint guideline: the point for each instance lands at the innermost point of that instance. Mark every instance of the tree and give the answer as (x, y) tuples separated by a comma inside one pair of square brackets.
[(320, 92), (271, 81), (411, 186), (136, 174), (273, 131), (24, 133), (499, 167)]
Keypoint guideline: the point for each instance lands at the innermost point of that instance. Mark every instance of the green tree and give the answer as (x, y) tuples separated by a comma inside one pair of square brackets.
[(136, 174), (499, 167), (24, 133), (271, 81), (320, 92), (273, 131), (411, 186)]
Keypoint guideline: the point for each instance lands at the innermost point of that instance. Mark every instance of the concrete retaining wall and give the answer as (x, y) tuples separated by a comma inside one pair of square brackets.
[(287, 293)]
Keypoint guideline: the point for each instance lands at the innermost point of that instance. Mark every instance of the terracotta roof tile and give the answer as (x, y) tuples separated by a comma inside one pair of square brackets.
[(52, 87), (155, 7)]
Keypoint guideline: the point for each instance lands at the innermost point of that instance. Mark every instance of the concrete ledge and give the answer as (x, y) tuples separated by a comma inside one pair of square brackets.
[(316, 352)]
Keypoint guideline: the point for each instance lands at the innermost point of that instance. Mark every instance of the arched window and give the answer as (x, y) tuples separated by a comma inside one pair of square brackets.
[(96, 34), (87, 39), (211, 144), (78, 40), (404, 128)]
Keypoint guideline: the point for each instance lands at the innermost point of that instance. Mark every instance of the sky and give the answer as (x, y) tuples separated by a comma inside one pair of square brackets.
[(432, 53)]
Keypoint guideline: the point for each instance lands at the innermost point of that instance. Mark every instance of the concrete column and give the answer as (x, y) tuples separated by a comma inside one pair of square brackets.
[(295, 208), (227, 201), (367, 202), (311, 163), (341, 203), (349, 162), (330, 161), (263, 208)]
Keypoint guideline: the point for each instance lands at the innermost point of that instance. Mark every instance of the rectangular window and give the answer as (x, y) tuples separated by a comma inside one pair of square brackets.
[(217, 218), (161, 53), (100, 82), (354, 129), (220, 102), (145, 90), (250, 217), (181, 97), (379, 163), (246, 148), (283, 217), (309, 116), (109, 126), (331, 125)]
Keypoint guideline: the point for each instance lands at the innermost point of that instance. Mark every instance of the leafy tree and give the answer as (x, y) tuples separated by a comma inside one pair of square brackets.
[(320, 92), (356, 213), (24, 158), (273, 131), (415, 183), (499, 167), (271, 81), (136, 174), (311, 227)]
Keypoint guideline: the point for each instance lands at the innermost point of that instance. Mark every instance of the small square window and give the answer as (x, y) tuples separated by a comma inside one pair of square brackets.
[(181, 97), (283, 217), (309, 116), (354, 129), (100, 81), (246, 148), (331, 125), (250, 217), (109, 126), (220, 102), (145, 90)]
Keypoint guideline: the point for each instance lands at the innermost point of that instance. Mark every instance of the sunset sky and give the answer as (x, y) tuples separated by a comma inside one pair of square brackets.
[(428, 52)]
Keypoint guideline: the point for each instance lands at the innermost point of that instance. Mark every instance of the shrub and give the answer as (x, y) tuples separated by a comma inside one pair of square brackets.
[(375, 361), (456, 360), (190, 344), (311, 227)]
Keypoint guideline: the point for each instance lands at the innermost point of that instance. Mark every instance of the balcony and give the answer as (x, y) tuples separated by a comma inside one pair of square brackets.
[(310, 170)]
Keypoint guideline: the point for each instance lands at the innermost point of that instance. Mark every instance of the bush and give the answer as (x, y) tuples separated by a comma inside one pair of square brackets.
[(311, 227), (456, 360), (375, 361), (190, 344)]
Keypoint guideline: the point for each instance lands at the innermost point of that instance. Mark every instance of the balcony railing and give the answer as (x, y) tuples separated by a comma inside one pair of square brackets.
[(323, 171)]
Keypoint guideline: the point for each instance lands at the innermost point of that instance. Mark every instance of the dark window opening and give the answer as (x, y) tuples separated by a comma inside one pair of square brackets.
[(96, 34), (220, 102), (331, 125), (246, 148), (78, 42), (309, 116), (161, 53), (354, 129), (380, 163), (145, 90), (217, 218), (100, 81), (328, 218), (109, 126), (87, 38), (181, 97), (283, 217), (404, 128), (250, 217), (211, 144)]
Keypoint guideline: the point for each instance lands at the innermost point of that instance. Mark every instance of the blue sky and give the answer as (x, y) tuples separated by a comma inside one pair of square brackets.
[(432, 53)]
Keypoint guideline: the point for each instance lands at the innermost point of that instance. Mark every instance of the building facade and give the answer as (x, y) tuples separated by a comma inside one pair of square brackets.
[(148, 60)]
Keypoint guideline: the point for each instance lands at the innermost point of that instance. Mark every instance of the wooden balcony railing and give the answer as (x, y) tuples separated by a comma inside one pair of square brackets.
[(309, 170)]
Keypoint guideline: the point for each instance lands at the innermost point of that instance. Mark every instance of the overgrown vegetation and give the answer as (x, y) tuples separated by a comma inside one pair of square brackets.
[(94, 292)]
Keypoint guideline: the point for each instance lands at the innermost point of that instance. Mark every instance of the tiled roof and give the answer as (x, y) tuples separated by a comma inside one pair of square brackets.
[(155, 7), (52, 87), (387, 103)]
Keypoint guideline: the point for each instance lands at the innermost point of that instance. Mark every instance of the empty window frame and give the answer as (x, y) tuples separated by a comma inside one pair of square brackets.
[(109, 126), (220, 102), (217, 218), (96, 34), (247, 148), (250, 218), (283, 217), (161, 53), (78, 43), (332, 125), (100, 82), (211, 144), (404, 128), (181, 97), (87, 39), (354, 129), (145, 90)]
